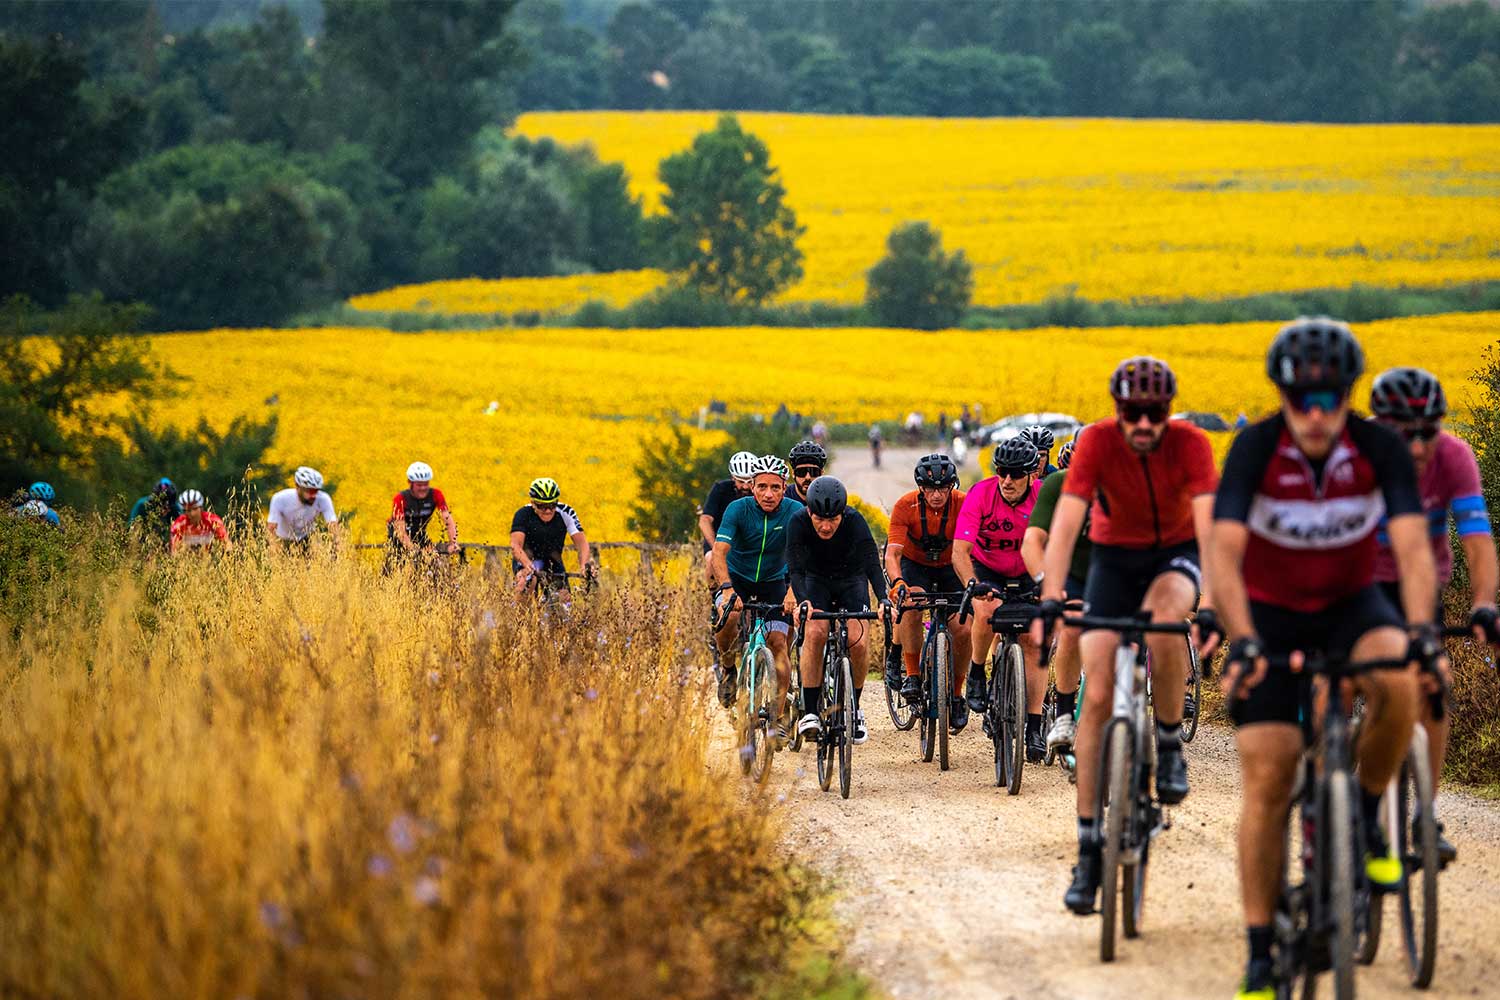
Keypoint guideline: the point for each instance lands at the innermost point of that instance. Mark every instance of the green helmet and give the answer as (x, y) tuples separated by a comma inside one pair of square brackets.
[(544, 490)]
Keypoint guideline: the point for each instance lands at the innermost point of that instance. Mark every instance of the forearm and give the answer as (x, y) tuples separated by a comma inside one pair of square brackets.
[(1033, 549), (1067, 521), (1203, 522), (874, 572), (581, 543), (963, 561), (451, 525), (1226, 561), (893, 562), (271, 530), (1484, 569), (706, 528), (720, 562)]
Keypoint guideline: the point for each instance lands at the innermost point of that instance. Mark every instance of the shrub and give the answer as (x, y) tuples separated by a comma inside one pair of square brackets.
[(917, 284)]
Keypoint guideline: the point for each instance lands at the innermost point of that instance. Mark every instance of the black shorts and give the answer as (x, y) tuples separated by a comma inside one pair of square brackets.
[(1119, 578), (1073, 588), (764, 592), (932, 579), (1281, 696), (1000, 581), (847, 594), (1392, 591)]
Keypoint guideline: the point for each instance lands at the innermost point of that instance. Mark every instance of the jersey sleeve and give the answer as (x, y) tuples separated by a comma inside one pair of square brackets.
[(1046, 501), (517, 521), (220, 532), (717, 501), (398, 508), (1243, 468), (1202, 477), (901, 516), (870, 557), (966, 529), (1394, 470), (571, 524), (325, 507), (797, 531), (440, 500), (730, 522), (274, 515), (179, 526), (1083, 470)]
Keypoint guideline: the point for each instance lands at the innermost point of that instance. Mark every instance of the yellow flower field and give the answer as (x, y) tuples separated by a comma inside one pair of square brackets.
[(513, 295), (574, 404), (1121, 209)]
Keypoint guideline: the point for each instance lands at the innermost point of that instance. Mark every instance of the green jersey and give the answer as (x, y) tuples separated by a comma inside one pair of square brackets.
[(1041, 517)]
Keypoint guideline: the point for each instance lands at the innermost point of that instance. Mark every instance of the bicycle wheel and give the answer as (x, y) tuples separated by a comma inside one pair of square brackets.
[(744, 713), (995, 724), (1138, 839), (1049, 716), (1014, 709), (1419, 892), (763, 707), (1339, 844), (845, 727), (1195, 690), (903, 716), (927, 711), (828, 699), (945, 695), (1114, 775), (795, 711)]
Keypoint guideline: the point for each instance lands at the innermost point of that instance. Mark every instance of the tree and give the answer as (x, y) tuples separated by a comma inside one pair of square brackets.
[(510, 220), (967, 82), (1094, 64), (826, 82), (724, 65), (917, 284), (639, 39), (728, 229), (564, 63)]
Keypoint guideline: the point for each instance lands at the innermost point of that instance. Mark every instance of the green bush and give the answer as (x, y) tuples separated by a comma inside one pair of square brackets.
[(917, 284)]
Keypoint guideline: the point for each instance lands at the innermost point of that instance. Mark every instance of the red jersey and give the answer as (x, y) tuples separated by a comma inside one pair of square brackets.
[(200, 536), (1141, 501)]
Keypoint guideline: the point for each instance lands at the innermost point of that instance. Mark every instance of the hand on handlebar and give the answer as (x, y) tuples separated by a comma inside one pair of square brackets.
[(1208, 632), (1245, 667), (1485, 622), (1049, 612)]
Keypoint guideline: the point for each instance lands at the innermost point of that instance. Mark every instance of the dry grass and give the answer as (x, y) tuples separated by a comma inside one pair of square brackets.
[(272, 777)]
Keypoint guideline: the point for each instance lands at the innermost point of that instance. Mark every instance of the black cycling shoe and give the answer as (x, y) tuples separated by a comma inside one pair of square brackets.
[(1171, 777), (958, 716), (727, 687), (911, 689), (1036, 747), (975, 693), (894, 669), (1447, 853), (1085, 885)]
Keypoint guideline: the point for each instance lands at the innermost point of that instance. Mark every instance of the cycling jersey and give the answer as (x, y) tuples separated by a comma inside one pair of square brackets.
[(720, 496), (294, 519), (996, 526), (545, 540), (1312, 526), (1448, 482), (851, 554), (757, 540), (416, 512), (925, 535), (155, 512), (1041, 517), (199, 536), (1141, 501)]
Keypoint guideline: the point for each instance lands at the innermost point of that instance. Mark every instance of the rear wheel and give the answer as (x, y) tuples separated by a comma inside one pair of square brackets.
[(845, 728), (1113, 814), (1195, 693), (1419, 855), (903, 716), (945, 695)]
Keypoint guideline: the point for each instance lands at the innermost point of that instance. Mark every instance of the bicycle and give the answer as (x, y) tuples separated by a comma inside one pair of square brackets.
[(1005, 719), (1125, 805), (757, 682), (935, 703), (836, 710)]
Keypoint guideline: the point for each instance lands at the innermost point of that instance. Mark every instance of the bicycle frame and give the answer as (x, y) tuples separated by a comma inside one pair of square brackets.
[(933, 712)]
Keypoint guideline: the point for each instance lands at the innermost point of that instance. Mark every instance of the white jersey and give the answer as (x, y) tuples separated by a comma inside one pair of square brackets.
[(294, 519)]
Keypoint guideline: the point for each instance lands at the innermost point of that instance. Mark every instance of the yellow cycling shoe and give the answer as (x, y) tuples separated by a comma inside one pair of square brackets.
[(1384, 872), (1264, 993)]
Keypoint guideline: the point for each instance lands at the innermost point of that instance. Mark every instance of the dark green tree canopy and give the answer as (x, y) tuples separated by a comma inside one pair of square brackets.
[(917, 284)]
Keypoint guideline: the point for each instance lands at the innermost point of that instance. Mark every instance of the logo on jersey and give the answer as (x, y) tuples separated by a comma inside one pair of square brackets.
[(1316, 524)]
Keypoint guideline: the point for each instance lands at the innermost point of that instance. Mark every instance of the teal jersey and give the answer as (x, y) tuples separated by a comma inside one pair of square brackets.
[(757, 540)]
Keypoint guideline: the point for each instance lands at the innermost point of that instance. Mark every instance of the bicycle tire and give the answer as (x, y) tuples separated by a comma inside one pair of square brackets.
[(796, 710), (1049, 716), (903, 716), (1014, 710), (827, 699), (1114, 774), (763, 712), (1418, 899), (1339, 844), (845, 729), (745, 714), (1133, 880), (943, 657), (995, 722), (1195, 685), (927, 710)]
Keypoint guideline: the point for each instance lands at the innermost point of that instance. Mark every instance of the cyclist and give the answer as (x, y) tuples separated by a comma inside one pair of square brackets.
[(875, 438), (38, 510), (1042, 437), (195, 528), (539, 531), (750, 559), (1146, 484), (833, 564), (808, 460), (411, 510), (720, 496), (42, 493), (1411, 402), (1293, 562), (155, 512), (987, 556), (295, 511), (919, 559), (1065, 662)]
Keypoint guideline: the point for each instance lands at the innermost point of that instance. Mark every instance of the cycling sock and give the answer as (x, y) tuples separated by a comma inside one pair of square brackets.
[(810, 696), (1260, 942), (857, 693), (896, 652), (909, 658), (1168, 738), (976, 673), (1369, 803), (1087, 832), (1067, 701), (1033, 724)]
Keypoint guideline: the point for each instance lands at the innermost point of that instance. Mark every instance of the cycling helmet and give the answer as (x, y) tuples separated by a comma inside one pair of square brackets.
[(935, 472), (1039, 436), (544, 490), (1143, 379), (419, 472), (742, 464), (826, 497), (308, 478), (42, 491), (1065, 453), (1315, 353), (1016, 453), (1403, 394), (768, 465), (808, 453), (165, 483), (190, 498)]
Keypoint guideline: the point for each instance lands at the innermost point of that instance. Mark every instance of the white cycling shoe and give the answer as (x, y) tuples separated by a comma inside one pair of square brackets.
[(861, 731), (809, 727), (1064, 730)]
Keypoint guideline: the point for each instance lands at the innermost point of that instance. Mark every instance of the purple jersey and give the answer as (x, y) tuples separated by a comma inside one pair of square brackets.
[(995, 525), (1450, 482)]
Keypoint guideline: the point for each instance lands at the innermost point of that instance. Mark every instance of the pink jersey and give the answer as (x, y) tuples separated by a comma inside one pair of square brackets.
[(996, 526), (1449, 483)]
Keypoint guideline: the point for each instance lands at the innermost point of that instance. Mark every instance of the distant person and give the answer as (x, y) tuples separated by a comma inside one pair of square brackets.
[(43, 493), (720, 495), (195, 528), (1241, 421), (154, 513), (942, 424), (295, 511), (875, 442), (39, 511), (913, 427), (411, 510), (820, 432)]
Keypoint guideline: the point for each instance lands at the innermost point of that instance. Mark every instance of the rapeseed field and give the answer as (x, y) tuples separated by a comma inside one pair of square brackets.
[(513, 295), (574, 404)]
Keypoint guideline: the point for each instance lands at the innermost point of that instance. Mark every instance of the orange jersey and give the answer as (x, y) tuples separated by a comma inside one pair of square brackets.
[(202, 535), (925, 535)]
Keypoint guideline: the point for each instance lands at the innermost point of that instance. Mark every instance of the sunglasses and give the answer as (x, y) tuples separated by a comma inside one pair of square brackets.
[(1014, 471), (1305, 400), (807, 472), (1154, 412), (543, 506), (1414, 432)]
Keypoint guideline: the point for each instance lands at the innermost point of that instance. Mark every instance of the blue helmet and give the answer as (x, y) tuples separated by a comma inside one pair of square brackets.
[(42, 491)]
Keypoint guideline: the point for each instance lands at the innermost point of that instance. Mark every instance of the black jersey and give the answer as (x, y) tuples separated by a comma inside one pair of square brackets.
[(850, 554), (545, 540)]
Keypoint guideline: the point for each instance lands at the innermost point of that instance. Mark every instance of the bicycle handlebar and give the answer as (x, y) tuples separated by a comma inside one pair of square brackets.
[(1142, 626), (830, 616), (930, 601)]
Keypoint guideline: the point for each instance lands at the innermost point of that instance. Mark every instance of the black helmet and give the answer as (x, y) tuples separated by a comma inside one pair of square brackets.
[(808, 453), (935, 471), (1016, 453), (1315, 353), (1407, 394), (826, 497), (1039, 436)]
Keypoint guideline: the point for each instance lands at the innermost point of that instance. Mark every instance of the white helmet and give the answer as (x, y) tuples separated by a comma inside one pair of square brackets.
[(308, 479), (190, 498), (742, 464), (419, 472), (768, 465)]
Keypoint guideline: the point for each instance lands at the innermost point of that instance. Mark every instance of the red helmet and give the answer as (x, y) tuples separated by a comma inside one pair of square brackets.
[(1143, 380)]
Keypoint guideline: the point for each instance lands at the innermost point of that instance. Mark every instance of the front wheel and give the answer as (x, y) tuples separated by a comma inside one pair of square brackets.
[(903, 716), (1339, 845), (1419, 855), (1113, 816), (944, 695), (845, 727), (1009, 704), (1195, 695), (761, 704)]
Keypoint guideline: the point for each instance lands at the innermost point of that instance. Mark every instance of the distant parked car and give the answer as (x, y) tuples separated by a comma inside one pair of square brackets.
[(1207, 421), (1062, 426)]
